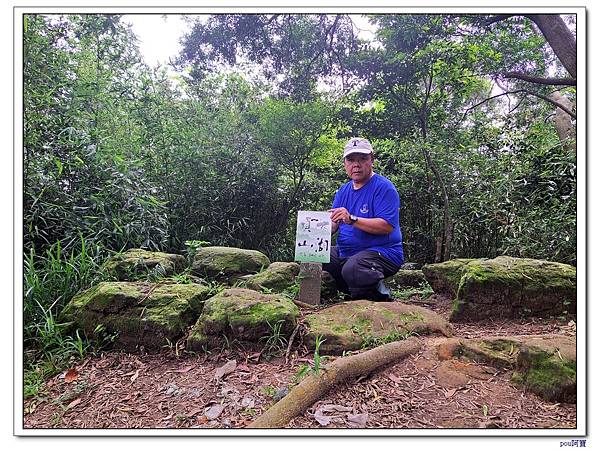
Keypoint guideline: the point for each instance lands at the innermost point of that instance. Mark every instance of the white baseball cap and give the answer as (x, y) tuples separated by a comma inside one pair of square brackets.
[(358, 145)]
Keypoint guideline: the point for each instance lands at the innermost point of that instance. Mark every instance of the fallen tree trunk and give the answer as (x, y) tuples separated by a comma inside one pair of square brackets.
[(314, 386)]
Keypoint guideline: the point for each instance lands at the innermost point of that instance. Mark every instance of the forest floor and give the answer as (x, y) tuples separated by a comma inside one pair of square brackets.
[(119, 390)]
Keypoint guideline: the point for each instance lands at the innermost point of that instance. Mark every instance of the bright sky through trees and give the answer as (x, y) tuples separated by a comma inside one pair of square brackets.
[(159, 35)]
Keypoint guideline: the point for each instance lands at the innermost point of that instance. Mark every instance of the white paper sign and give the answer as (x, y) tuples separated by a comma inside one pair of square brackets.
[(313, 236)]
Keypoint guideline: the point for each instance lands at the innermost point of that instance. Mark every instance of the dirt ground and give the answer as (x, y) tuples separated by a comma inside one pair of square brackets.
[(120, 390)]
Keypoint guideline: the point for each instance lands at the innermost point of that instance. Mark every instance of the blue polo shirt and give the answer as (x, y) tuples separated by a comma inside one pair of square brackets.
[(377, 198)]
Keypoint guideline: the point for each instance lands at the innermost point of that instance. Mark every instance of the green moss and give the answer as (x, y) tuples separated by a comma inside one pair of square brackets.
[(278, 277), (406, 279), (245, 314), (411, 317), (514, 287), (499, 353), (389, 315), (445, 277), (226, 262), (358, 324), (197, 341), (140, 313), (339, 328), (422, 291), (361, 325), (138, 264), (547, 375)]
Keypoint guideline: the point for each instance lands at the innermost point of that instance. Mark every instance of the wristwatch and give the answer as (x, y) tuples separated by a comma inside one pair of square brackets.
[(353, 219)]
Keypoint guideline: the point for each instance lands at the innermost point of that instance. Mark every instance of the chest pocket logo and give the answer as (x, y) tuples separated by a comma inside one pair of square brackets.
[(364, 208)]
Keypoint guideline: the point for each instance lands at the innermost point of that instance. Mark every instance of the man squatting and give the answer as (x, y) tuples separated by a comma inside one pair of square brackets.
[(366, 212)]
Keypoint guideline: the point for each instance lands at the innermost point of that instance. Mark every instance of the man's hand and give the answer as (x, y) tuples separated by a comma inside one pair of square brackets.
[(373, 225), (339, 215)]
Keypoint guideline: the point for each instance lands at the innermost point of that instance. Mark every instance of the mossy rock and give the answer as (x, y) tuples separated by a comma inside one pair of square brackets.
[(244, 315), (228, 263), (136, 263), (140, 313), (445, 277), (547, 374), (545, 365), (406, 278), (278, 277), (514, 287), (363, 324)]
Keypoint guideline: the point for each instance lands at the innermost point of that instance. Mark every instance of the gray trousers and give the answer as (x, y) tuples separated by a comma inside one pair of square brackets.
[(359, 274)]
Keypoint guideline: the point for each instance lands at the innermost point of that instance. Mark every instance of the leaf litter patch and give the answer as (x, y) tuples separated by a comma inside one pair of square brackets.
[(232, 388)]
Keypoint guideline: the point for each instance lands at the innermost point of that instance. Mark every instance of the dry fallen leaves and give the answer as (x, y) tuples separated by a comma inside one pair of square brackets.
[(214, 411), (394, 378), (225, 369), (74, 403), (358, 420), (325, 420), (71, 375), (449, 393)]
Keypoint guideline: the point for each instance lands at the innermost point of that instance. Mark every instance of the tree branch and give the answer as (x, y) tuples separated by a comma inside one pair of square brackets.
[(555, 103), (557, 34), (524, 91), (539, 80), (498, 18)]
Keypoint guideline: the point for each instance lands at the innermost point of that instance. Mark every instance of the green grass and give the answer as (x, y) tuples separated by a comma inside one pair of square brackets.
[(50, 280), (275, 341), (422, 291), (317, 357)]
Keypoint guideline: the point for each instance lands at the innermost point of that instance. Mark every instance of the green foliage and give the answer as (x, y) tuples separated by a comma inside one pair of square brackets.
[(193, 246), (316, 368), (371, 341), (116, 155), (300, 374), (292, 51), (275, 342), (51, 279), (422, 291), (292, 292)]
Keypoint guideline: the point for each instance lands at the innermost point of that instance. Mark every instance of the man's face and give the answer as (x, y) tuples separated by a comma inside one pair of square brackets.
[(359, 166)]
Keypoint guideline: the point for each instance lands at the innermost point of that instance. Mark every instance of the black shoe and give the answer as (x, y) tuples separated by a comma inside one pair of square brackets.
[(382, 293)]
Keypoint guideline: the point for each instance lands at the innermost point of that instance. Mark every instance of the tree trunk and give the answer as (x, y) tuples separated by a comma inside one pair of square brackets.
[(560, 38), (438, 249), (562, 122), (314, 387), (448, 230), (447, 235)]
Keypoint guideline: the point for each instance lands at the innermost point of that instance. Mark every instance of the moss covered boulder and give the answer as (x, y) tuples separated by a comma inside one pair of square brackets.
[(278, 277), (514, 287), (445, 277), (363, 324), (136, 262), (228, 263), (140, 314), (243, 315), (545, 365), (406, 278)]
